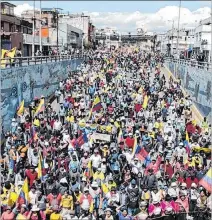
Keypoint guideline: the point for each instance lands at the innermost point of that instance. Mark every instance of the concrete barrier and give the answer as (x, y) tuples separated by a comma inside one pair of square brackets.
[(25, 83), (195, 82)]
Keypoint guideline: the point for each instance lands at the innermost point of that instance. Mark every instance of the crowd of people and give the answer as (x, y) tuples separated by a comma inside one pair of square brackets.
[(118, 142)]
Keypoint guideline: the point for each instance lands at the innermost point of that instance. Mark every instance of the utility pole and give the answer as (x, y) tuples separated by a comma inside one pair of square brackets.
[(57, 34), (172, 48), (33, 31), (178, 28), (178, 33), (40, 30)]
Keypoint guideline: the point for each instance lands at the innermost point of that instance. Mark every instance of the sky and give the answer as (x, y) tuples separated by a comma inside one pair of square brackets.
[(130, 15)]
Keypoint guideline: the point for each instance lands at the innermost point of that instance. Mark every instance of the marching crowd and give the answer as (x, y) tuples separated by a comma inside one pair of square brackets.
[(118, 142)]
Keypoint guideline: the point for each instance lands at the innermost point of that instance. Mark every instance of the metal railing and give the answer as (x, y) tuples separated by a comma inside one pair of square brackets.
[(26, 61), (193, 63)]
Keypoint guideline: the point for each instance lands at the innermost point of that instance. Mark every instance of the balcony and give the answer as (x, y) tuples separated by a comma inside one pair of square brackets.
[(28, 39)]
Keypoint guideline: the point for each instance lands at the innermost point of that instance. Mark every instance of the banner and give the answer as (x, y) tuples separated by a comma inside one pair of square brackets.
[(102, 137)]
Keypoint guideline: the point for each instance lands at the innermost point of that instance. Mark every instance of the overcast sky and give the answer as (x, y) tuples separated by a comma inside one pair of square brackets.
[(129, 15)]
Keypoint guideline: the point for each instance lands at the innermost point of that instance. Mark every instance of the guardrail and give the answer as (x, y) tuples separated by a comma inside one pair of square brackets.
[(192, 63), (26, 61)]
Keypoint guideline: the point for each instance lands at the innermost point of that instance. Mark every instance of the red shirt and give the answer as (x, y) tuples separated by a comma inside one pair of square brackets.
[(50, 197), (31, 176), (189, 181), (68, 87), (129, 142), (27, 125), (138, 107), (169, 170)]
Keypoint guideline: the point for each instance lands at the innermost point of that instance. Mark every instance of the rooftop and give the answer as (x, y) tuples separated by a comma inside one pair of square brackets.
[(8, 4)]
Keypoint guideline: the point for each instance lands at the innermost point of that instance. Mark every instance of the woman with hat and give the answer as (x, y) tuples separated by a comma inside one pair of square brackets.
[(108, 214), (168, 207), (182, 206), (22, 213), (143, 212), (8, 214), (36, 214), (155, 209)]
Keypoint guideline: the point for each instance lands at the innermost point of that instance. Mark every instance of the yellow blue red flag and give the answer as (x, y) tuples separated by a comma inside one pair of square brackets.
[(206, 181)]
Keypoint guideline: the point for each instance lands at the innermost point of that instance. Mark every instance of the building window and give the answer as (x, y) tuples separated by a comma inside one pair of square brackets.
[(11, 10), (2, 25), (10, 27)]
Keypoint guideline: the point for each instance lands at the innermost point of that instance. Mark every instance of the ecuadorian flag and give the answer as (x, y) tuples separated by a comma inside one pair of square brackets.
[(135, 146), (40, 107), (97, 105), (145, 103), (23, 197), (186, 143), (143, 155), (20, 109), (206, 181)]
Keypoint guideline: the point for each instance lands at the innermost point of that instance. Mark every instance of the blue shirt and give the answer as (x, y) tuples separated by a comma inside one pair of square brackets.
[(121, 217)]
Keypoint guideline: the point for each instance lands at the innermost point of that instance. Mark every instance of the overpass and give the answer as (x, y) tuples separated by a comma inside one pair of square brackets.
[(126, 39)]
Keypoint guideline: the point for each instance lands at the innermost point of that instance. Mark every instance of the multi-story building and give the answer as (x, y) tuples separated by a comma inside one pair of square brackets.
[(160, 41), (13, 28), (45, 20), (81, 22), (202, 40), (68, 36), (70, 32), (185, 42)]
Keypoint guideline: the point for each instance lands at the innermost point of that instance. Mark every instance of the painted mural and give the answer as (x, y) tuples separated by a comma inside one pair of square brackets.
[(197, 83), (27, 82)]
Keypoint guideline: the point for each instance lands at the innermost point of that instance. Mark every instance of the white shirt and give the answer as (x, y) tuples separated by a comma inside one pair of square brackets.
[(57, 125), (32, 197), (96, 160)]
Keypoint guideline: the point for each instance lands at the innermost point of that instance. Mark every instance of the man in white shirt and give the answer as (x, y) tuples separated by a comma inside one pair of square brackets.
[(95, 160), (57, 126)]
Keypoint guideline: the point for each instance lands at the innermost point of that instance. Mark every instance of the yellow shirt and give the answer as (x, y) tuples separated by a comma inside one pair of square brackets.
[(117, 124), (67, 202), (70, 119), (157, 125), (109, 186), (36, 122), (109, 128), (98, 176), (21, 217), (78, 197), (56, 216)]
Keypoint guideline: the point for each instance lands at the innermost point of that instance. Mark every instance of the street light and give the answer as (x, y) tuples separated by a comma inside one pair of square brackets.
[(82, 44), (172, 48), (33, 31), (178, 28)]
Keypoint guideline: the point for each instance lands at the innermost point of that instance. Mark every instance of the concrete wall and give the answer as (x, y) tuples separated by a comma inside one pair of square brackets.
[(20, 83), (197, 83)]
